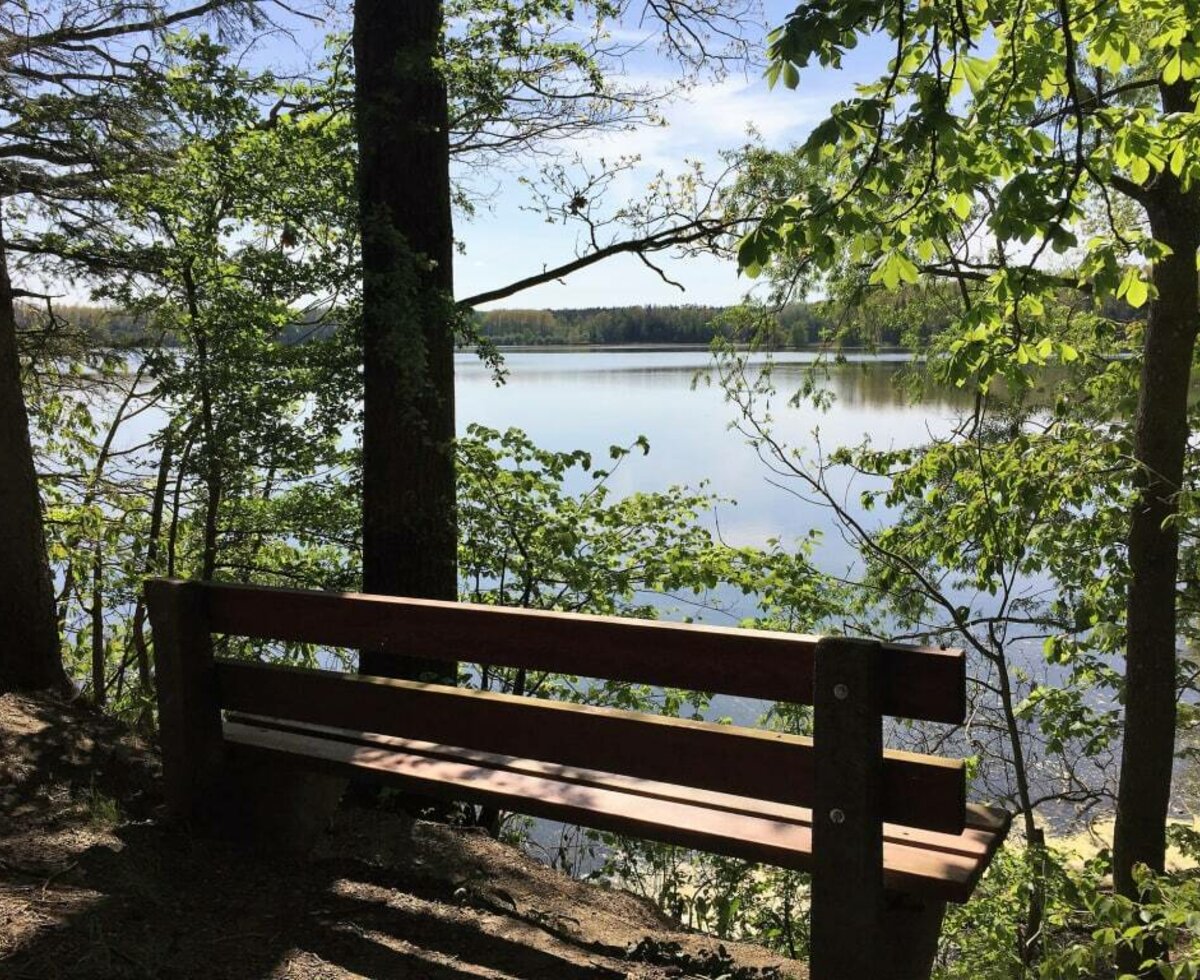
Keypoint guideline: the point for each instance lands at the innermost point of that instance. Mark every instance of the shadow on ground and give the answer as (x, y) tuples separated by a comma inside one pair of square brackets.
[(94, 885)]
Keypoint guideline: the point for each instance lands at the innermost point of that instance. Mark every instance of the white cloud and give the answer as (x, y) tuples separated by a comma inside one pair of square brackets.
[(708, 118)]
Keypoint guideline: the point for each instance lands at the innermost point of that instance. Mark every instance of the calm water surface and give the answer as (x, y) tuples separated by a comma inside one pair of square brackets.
[(591, 399)]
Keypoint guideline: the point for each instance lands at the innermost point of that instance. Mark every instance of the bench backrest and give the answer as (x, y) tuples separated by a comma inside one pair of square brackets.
[(914, 790), (921, 683)]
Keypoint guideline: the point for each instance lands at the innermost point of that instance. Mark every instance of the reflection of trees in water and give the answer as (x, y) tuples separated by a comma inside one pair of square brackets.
[(875, 384), (896, 384), (869, 383), (863, 383)]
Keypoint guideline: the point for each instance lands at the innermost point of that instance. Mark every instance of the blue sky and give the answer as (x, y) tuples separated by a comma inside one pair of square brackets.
[(503, 243)]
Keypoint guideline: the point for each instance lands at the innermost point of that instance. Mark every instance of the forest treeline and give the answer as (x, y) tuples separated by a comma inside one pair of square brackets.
[(908, 320), (793, 325), (107, 328)]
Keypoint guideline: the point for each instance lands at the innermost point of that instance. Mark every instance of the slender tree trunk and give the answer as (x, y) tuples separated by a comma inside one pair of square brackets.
[(409, 526), (158, 503), (30, 655), (99, 649), (1160, 442), (99, 692), (213, 492), (176, 494), (213, 458), (1030, 941)]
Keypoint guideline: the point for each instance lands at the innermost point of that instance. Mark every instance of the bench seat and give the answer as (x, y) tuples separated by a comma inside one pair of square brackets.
[(931, 865)]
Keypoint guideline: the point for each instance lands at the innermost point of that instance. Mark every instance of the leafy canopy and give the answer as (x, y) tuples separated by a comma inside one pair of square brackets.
[(1007, 147)]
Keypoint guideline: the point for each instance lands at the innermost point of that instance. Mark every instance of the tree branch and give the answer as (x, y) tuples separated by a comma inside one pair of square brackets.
[(79, 36), (659, 241)]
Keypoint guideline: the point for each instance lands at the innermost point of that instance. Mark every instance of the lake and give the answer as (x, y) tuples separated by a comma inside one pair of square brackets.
[(593, 398), (590, 399)]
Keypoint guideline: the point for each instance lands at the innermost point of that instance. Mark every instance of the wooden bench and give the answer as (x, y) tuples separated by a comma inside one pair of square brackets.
[(887, 835)]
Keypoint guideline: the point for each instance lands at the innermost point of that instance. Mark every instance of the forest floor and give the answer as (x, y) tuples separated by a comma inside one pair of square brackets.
[(95, 884)]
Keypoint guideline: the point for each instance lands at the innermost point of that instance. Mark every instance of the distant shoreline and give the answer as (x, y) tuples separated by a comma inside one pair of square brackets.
[(667, 348)]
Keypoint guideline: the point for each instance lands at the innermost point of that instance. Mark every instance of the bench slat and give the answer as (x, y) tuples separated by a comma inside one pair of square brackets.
[(918, 791), (673, 819), (977, 839), (918, 682)]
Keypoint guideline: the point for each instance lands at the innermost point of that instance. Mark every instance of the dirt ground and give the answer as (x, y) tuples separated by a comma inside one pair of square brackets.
[(95, 884)]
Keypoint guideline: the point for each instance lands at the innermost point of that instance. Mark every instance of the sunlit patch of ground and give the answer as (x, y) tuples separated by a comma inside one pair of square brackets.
[(1098, 836)]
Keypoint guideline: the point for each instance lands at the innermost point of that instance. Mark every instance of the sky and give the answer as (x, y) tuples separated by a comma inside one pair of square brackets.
[(503, 243)]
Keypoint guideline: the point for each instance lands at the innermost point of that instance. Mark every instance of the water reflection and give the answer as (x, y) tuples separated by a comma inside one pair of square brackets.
[(592, 399), (870, 380)]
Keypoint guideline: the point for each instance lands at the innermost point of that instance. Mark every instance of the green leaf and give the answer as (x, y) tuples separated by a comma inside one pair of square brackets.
[(822, 135), (1173, 69), (1137, 293), (1133, 289), (895, 267), (976, 71), (1178, 158), (908, 271), (1139, 169)]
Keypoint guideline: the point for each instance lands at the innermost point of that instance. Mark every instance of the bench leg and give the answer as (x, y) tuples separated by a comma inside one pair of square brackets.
[(847, 825), (259, 801), (911, 929), (189, 714), (278, 808)]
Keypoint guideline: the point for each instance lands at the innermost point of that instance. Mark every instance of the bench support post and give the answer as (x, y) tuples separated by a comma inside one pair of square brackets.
[(189, 716), (278, 808), (847, 880), (912, 927)]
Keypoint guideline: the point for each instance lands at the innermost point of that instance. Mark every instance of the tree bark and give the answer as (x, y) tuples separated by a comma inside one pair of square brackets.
[(1160, 442), (30, 655), (409, 527)]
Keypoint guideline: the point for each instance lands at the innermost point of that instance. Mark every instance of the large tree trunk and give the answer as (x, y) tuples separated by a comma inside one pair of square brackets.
[(30, 657), (1160, 442), (409, 527)]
